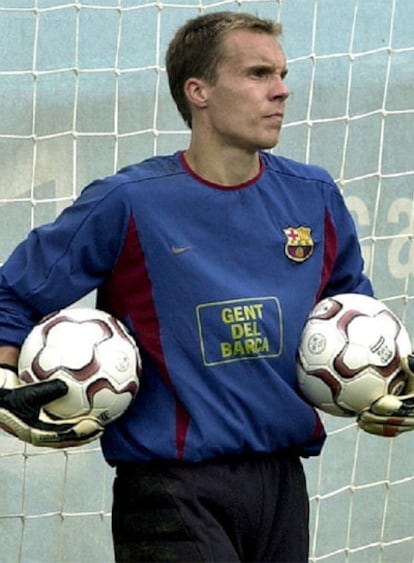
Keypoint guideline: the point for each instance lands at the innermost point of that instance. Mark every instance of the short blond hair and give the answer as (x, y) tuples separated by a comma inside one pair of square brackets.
[(195, 49)]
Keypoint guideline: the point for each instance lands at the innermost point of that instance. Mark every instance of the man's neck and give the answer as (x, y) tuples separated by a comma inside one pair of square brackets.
[(226, 167)]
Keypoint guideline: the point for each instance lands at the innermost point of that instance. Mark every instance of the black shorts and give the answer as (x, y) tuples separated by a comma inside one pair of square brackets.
[(252, 509)]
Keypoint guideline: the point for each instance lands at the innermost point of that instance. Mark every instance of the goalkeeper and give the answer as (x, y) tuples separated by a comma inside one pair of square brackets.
[(213, 257)]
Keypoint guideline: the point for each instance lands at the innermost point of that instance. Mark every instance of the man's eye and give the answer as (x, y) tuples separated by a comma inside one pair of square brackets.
[(260, 73)]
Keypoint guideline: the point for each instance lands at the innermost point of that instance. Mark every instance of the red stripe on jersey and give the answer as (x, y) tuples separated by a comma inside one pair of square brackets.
[(329, 254), (128, 294), (319, 430)]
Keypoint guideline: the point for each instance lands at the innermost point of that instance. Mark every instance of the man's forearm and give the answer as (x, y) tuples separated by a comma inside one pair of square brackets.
[(9, 355)]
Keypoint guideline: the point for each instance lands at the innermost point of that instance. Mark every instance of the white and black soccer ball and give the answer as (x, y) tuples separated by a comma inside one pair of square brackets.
[(350, 353), (93, 353)]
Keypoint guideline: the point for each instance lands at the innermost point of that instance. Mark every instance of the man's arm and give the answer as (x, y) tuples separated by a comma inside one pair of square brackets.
[(9, 355)]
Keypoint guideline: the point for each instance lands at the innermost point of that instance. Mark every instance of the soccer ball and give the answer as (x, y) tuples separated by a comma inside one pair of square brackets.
[(350, 353), (93, 353)]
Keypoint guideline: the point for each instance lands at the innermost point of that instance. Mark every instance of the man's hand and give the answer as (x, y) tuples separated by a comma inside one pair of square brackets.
[(22, 414), (391, 415)]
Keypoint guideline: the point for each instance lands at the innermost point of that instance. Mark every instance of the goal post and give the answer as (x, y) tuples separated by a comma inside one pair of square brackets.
[(84, 92)]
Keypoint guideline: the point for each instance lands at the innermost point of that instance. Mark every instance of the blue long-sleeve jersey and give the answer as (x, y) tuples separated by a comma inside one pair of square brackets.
[(214, 282)]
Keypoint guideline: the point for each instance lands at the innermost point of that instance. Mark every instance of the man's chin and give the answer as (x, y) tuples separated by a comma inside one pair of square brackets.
[(270, 142), (269, 145)]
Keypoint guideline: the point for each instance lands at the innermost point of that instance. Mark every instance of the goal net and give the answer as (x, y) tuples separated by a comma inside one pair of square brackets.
[(84, 92)]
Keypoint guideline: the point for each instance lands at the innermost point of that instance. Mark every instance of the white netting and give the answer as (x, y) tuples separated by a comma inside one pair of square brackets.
[(84, 92)]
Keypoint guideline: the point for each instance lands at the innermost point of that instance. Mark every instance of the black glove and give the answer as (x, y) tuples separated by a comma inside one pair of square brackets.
[(22, 415), (391, 415)]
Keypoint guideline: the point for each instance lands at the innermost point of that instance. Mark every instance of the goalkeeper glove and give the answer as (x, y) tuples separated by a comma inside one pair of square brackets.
[(22, 415), (391, 415)]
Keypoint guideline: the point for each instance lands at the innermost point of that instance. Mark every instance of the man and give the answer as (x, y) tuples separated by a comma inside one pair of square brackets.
[(213, 257)]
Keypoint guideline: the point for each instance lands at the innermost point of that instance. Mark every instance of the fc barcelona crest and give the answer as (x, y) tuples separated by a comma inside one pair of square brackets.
[(299, 244)]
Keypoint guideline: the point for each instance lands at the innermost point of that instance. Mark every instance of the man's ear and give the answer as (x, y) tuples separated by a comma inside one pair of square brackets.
[(196, 92)]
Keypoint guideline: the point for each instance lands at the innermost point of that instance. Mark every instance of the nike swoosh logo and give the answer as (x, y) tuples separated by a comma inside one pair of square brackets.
[(180, 249)]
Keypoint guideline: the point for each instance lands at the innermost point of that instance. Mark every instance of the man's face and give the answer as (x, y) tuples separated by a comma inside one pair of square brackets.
[(245, 105)]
